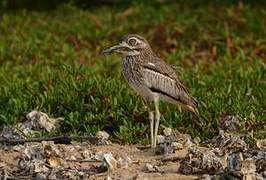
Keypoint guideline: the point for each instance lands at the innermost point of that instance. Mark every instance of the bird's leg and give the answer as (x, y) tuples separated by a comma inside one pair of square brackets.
[(157, 121), (151, 118)]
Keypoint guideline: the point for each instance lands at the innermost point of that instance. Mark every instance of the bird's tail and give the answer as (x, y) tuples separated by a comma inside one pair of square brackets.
[(192, 107), (200, 120), (191, 104), (194, 110)]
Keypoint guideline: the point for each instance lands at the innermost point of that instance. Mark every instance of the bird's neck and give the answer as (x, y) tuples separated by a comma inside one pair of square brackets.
[(142, 55)]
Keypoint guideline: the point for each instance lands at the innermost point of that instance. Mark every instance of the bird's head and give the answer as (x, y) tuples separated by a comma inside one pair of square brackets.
[(130, 45)]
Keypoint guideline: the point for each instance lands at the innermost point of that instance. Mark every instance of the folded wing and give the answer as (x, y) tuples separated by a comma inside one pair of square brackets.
[(160, 78)]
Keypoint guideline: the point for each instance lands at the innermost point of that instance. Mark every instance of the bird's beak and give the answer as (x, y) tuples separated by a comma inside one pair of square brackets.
[(116, 48), (112, 49)]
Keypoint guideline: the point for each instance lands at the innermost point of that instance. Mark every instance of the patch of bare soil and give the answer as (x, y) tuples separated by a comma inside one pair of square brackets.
[(140, 160), (177, 156), (135, 169)]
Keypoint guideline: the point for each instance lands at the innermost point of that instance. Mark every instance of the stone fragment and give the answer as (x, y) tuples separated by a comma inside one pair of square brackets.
[(110, 161), (230, 124)]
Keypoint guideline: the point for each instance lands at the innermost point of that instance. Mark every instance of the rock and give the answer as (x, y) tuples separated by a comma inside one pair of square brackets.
[(75, 174), (86, 154), (40, 167), (158, 169), (149, 167), (205, 177), (226, 143), (74, 152), (261, 166), (18, 148), (160, 139), (164, 149), (197, 161), (39, 120), (184, 139), (41, 176), (260, 176), (186, 168), (103, 138), (261, 144), (197, 140), (264, 174), (167, 131), (55, 162), (230, 123), (99, 156), (238, 167), (139, 176), (102, 135), (187, 142), (11, 133), (110, 161), (124, 162), (247, 166), (36, 120), (2, 165), (233, 160), (33, 151), (172, 141), (108, 178), (177, 146)]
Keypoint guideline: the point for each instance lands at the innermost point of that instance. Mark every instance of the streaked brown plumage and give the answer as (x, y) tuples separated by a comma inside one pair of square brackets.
[(151, 77)]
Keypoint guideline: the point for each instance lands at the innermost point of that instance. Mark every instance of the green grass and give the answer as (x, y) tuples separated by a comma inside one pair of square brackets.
[(51, 60)]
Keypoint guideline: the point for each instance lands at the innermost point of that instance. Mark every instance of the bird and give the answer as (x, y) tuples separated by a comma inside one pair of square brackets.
[(152, 78)]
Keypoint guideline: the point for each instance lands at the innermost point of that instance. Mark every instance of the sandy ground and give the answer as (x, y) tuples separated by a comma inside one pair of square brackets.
[(140, 158), (227, 157), (136, 169)]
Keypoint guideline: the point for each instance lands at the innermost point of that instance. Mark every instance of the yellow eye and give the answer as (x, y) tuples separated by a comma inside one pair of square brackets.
[(132, 41)]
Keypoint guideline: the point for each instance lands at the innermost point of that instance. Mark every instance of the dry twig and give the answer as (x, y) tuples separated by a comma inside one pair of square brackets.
[(56, 140)]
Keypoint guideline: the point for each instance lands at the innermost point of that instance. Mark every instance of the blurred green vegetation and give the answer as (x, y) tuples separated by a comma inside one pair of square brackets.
[(51, 60)]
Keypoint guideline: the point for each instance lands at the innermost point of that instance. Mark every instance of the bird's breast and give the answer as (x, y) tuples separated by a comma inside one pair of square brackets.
[(132, 72)]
